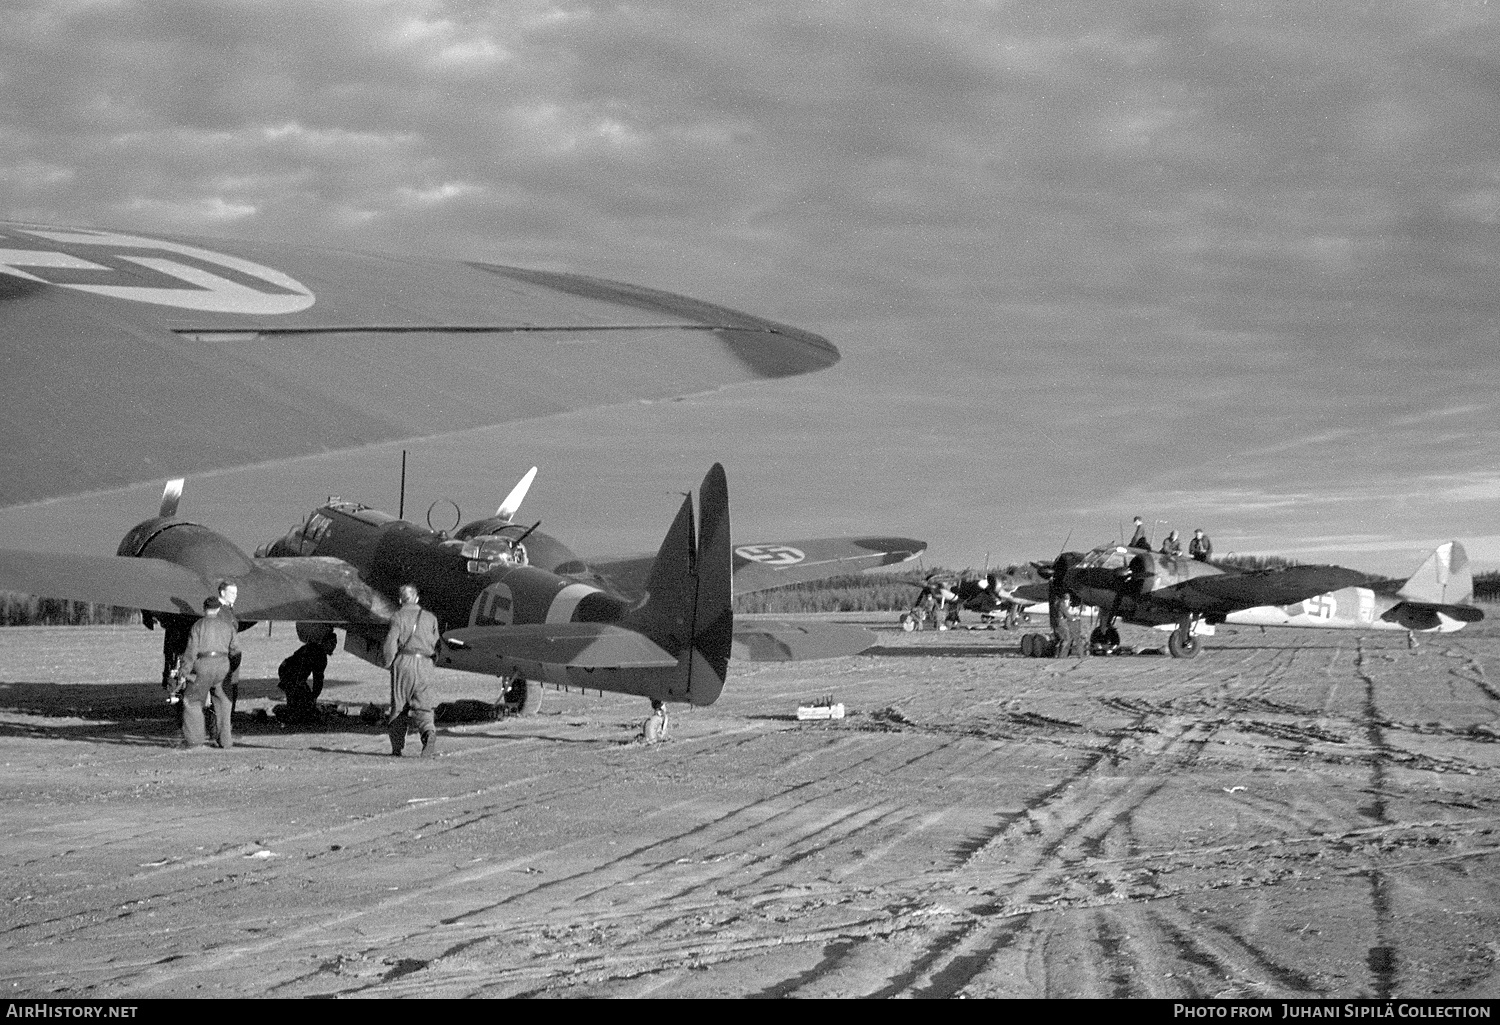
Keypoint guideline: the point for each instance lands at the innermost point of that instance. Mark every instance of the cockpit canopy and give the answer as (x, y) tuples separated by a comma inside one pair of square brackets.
[(488, 551), (300, 540), (1109, 558)]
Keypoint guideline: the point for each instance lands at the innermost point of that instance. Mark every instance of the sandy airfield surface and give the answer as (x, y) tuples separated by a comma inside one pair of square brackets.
[(1292, 814)]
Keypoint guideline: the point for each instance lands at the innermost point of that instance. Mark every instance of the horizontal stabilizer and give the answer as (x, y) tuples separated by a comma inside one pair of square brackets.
[(509, 649), (781, 641), (1416, 615)]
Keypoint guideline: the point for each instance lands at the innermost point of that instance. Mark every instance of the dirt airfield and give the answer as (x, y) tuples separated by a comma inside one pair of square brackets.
[(1292, 814)]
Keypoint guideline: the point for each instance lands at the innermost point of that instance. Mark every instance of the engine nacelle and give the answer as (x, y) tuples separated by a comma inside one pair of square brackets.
[(194, 547)]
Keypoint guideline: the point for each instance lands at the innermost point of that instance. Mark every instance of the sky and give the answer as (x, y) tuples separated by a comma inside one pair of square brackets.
[(1220, 265)]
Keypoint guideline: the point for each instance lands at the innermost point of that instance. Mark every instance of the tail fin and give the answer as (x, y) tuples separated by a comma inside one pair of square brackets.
[(688, 609), (1444, 579)]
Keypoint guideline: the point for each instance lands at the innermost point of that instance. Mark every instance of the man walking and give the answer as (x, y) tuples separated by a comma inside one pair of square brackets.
[(409, 646), (211, 645)]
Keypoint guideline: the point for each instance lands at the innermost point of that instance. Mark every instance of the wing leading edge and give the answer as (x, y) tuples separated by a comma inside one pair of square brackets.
[(165, 338)]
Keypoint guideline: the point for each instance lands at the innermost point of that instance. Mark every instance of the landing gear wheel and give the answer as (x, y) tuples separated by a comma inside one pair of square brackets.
[(519, 696), (1183, 648)]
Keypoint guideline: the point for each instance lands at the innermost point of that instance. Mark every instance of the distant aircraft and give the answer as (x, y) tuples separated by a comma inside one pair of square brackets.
[(126, 353), (1438, 598), (662, 629), (1151, 589)]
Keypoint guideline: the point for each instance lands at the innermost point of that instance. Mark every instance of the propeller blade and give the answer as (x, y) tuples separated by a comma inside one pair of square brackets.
[(512, 503), (170, 496)]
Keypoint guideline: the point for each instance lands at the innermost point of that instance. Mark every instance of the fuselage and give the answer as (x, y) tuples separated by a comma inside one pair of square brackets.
[(474, 578), (1350, 608)]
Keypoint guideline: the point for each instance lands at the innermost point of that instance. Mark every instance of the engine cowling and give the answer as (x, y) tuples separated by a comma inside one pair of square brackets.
[(190, 545)]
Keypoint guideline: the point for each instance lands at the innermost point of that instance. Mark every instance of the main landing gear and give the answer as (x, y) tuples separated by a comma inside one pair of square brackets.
[(518, 696), (1183, 643)]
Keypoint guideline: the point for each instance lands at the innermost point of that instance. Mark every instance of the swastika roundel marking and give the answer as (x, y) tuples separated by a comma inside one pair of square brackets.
[(189, 283), (771, 555)]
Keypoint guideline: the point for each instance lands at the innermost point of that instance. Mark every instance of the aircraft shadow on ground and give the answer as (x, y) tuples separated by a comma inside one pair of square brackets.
[(138, 714), (882, 651)]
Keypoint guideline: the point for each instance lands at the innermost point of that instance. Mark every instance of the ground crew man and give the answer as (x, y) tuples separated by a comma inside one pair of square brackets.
[(228, 594), (1200, 547), (655, 729), (205, 663), (308, 661), (1138, 539), (174, 628), (1172, 545), (409, 646)]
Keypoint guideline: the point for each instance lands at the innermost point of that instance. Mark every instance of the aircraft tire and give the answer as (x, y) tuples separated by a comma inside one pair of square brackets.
[(1180, 648), (520, 696), (1026, 645)]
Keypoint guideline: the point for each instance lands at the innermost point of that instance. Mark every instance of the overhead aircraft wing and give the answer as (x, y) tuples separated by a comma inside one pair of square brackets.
[(306, 589), (1231, 592), (762, 566), (126, 355), (106, 579)]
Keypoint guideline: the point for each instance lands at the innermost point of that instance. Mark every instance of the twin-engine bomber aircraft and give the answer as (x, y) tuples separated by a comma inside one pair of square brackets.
[(1153, 589), (661, 628)]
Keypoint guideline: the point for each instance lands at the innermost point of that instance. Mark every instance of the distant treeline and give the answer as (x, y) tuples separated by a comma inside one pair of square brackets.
[(1487, 586), (878, 592), (25, 610)]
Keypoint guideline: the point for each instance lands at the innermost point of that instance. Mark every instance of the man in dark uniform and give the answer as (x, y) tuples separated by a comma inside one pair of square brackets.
[(1172, 545), (1200, 547), (310, 660), (205, 664), (174, 628), (1138, 539), (409, 646), (1065, 627)]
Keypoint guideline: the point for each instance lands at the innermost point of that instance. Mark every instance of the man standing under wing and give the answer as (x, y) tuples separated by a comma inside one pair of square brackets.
[(210, 648), (409, 647)]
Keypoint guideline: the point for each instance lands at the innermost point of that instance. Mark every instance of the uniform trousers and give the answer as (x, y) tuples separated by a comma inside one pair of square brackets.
[(411, 703), (207, 682)]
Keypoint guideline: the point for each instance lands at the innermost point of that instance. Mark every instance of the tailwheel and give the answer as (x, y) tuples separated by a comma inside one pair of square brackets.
[(518, 696)]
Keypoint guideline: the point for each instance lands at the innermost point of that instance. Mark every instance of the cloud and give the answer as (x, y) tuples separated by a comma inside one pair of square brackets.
[(1231, 260)]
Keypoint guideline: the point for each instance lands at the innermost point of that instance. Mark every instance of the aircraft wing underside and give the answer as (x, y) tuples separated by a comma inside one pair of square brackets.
[(127, 355), (304, 589), (765, 565)]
